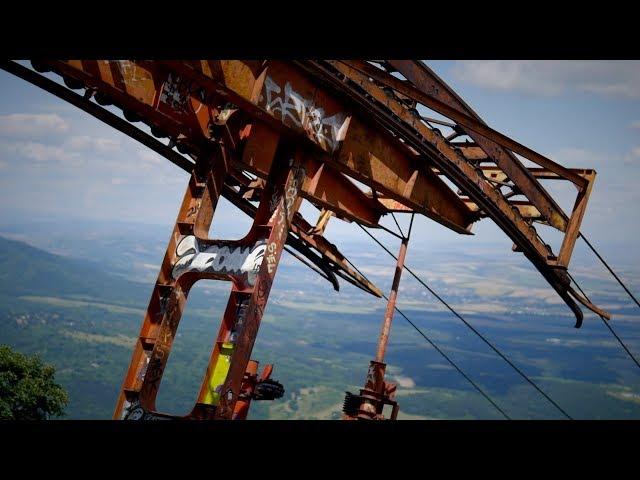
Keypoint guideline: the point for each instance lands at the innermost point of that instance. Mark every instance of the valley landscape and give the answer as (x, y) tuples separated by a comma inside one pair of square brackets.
[(64, 295)]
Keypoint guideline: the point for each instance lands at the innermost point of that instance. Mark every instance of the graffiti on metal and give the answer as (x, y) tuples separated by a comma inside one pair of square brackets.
[(174, 93), (304, 113), (222, 258), (136, 412)]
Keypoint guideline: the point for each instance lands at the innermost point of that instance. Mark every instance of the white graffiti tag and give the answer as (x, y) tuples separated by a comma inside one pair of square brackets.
[(173, 93), (326, 131), (193, 256), (129, 71)]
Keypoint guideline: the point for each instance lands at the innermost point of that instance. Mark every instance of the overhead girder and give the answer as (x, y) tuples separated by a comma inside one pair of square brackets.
[(139, 91), (471, 151), (462, 119), (494, 173), (526, 209), (427, 81), (497, 147), (323, 185), (346, 142), (304, 243), (436, 151), (468, 177)]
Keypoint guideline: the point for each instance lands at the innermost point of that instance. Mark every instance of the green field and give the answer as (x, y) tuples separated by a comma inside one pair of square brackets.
[(320, 348)]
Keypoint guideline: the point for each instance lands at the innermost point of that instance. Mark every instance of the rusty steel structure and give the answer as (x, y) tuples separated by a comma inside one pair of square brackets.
[(356, 139), (377, 392)]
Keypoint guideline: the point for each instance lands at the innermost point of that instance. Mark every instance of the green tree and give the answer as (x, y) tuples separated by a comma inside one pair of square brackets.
[(27, 388)]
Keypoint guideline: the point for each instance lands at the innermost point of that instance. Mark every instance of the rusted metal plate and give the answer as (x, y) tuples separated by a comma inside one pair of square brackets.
[(137, 81), (323, 185), (298, 103), (393, 205), (259, 149), (381, 165), (471, 152), (333, 191), (525, 209)]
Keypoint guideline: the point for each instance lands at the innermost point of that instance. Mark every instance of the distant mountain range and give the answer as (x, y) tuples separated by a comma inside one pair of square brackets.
[(26, 270)]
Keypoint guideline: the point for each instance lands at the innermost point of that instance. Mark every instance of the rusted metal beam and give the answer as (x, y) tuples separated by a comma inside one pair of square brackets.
[(442, 155), (427, 81), (526, 209), (348, 145), (322, 222), (469, 178), (393, 205), (300, 244), (498, 174), (573, 230), (473, 153), (546, 174), (328, 250), (287, 202), (323, 185), (463, 119), (138, 84), (383, 340)]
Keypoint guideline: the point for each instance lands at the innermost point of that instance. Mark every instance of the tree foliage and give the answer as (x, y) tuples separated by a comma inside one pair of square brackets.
[(27, 388)]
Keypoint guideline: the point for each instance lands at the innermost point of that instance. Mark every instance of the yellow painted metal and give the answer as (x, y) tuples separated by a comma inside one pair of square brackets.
[(219, 374)]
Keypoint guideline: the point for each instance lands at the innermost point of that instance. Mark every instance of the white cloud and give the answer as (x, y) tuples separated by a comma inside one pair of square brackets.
[(636, 125), (404, 382), (150, 156), (576, 157), (32, 124), (554, 77), (3, 164), (85, 142), (73, 152), (633, 156), (41, 152)]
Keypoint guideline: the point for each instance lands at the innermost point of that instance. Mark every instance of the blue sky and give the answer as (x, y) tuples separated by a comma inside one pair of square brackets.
[(56, 160)]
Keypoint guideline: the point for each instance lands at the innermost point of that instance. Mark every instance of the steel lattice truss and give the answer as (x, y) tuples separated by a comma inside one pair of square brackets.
[(267, 134)]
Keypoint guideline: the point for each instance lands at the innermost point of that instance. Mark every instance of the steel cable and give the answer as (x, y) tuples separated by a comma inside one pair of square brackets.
[(608, 324), (482, 337), (446, 357)]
